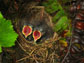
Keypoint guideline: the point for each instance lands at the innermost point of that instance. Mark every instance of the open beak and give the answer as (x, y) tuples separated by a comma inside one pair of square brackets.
[(36, 35), (27, 30)]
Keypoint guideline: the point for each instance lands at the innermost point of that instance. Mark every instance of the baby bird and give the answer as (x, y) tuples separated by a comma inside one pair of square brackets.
[(26, 31), (35, 24)]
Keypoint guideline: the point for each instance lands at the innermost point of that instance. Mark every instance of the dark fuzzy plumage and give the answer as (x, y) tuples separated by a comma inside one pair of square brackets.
[(37, 19)]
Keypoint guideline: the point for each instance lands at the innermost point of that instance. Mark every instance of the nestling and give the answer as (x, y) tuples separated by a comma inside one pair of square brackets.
[(35, 25)]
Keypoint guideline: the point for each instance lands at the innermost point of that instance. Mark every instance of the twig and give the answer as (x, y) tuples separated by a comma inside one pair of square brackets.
[(70, 42), (22, 47), (23, 58)]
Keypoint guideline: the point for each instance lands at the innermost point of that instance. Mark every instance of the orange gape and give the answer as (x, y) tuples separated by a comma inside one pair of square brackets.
[(27, 30), (36, 35)]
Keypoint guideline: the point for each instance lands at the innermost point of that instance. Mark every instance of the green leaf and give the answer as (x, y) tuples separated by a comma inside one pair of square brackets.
[(7, 33), (1, 16), (63, 39), (51, 6), (58, 15), (0, 49), (63, 43), (62, 24), (68, 33)]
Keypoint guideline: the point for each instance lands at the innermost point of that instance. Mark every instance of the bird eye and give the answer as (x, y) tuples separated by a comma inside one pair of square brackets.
[(27, 30), (36, 35)]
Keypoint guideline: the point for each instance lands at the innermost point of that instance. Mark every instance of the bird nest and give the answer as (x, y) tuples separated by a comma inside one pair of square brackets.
[(38, 53), (41, 53)]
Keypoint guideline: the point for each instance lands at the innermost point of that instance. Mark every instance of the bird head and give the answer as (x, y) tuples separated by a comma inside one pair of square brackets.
[(37, 35), (27, 30)]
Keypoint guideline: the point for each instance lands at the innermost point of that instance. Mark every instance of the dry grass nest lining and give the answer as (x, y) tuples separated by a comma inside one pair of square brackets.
[(42, 52), (26, 45)]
